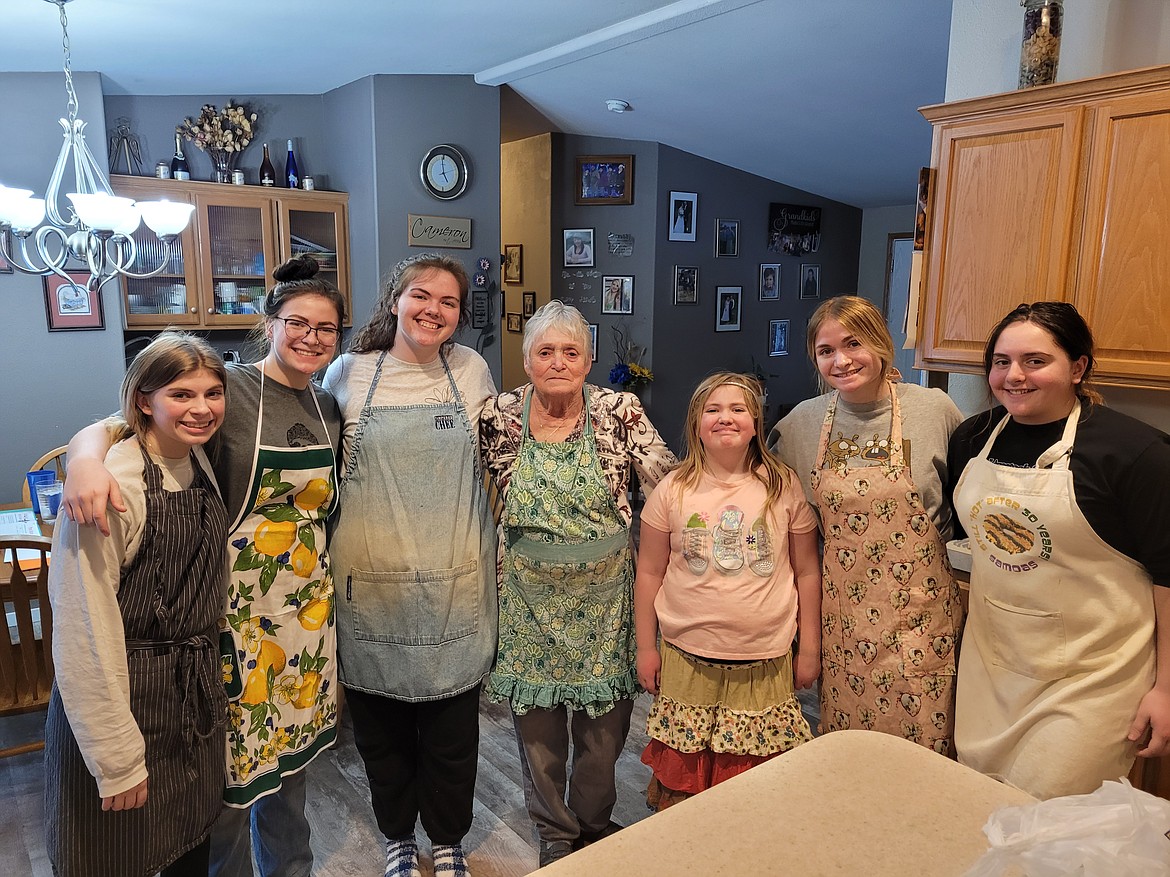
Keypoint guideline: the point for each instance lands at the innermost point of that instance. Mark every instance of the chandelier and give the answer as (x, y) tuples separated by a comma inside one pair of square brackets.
[(97, 226)]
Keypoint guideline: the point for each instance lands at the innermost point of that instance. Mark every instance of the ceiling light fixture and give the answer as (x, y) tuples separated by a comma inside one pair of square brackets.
[(99, 225), (617, 106)]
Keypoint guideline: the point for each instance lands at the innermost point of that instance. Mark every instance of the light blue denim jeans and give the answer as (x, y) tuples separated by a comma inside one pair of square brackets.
[(274, 827)]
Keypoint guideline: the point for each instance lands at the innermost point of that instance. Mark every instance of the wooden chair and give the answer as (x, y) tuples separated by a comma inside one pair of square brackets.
[(26, 658), (55, 459)]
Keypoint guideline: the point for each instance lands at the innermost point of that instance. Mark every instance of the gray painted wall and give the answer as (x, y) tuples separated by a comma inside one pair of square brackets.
[(686, 345), (51, 383), (581, 287)]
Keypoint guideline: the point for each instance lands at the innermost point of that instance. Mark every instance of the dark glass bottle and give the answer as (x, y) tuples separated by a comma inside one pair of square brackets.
[(179, 167), (267, 171), (292, 176)]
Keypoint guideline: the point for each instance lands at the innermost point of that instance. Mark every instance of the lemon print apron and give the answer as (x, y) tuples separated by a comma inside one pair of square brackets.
[(1059, 645), (278, 638)]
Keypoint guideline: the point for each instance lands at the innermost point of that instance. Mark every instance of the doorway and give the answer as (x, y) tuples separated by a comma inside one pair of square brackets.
[(899, 249)]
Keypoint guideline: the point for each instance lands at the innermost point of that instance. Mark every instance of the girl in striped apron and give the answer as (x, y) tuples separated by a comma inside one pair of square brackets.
[(134, 736)]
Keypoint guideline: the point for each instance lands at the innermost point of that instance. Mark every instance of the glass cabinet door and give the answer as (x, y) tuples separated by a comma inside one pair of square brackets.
[(237, 258), (318, 229)]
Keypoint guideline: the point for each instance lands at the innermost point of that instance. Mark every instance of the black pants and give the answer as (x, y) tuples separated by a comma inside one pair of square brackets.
[(421, 760), (193, 863)]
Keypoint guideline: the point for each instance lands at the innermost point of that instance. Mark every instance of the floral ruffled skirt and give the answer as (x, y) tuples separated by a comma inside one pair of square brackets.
[(712, 720)]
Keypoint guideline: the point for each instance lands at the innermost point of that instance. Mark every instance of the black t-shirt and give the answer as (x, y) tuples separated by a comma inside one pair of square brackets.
[(1120, 468)]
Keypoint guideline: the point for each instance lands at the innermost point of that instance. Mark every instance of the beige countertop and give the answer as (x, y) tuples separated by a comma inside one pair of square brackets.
[(847, 803)]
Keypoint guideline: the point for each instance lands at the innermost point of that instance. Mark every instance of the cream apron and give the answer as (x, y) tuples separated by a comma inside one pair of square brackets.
[(279, 643), (890, 612), (1059, 644)]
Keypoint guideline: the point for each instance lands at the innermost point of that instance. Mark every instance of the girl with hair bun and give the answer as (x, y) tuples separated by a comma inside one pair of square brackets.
[(275, 459), (1065, 668)]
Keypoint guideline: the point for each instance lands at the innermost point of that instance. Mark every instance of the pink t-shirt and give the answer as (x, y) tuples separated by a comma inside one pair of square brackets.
[(718, 598)]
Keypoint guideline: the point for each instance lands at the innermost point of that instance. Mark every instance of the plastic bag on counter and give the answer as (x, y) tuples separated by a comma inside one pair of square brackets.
[(1117, 831)]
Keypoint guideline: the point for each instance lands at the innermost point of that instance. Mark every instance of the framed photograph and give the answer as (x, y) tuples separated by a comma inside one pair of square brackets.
[(593, 339), (684, 216), (513, 263), (529, 304), (810, 281), (727, 302), (70, 306), (777, 338), (726, 237), (770, 282), (5, 268), (604, 179), (686, 284), (479, 309), (578, 247), (922, 201), (617, 295), (514, 322), (793, 229)]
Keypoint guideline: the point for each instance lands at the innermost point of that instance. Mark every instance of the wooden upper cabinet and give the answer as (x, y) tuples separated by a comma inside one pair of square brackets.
[(237, 236), (1003, 203), (1060, 193), (1124, 267)]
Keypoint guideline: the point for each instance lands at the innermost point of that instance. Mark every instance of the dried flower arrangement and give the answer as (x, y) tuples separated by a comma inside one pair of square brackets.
[(229, 130)]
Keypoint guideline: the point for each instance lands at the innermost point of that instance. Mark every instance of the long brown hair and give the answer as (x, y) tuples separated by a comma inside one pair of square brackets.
[(694, 464), (163, 361), (381, 329)]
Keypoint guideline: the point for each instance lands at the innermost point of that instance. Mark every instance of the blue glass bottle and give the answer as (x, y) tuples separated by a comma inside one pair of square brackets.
[(292, 176)]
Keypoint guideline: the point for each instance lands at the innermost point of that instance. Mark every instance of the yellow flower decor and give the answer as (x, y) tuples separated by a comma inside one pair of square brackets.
[(229, 130)]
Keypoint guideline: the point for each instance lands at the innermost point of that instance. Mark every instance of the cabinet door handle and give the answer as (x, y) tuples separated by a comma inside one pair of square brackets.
[(211, 310), (194, 310)]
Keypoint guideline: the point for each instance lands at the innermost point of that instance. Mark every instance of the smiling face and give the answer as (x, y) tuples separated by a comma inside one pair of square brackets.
[(1032, 376), (184, 413), (293, 359), (726, 422), (428, 315), (557, 365), (847, 365)]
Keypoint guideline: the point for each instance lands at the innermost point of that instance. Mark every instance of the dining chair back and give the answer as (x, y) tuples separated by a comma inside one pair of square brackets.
[(26, 636), (55, 459)]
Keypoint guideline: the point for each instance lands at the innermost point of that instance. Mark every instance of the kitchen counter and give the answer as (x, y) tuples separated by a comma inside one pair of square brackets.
[(847, 803)]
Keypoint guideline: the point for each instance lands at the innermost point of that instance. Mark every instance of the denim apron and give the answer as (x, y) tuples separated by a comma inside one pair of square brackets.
[(415, 545), (566, 601), (277, 639), (169, 597)]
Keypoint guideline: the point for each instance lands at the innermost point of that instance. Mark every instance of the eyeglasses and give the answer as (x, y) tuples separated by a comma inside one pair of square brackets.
[(298, 329)]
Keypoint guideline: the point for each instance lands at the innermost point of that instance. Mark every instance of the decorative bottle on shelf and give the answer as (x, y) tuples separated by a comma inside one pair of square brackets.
[(179, 168), (292, 177), (267, 171)]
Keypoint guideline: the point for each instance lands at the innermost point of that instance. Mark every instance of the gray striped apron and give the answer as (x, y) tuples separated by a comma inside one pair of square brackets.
[(171, 597)]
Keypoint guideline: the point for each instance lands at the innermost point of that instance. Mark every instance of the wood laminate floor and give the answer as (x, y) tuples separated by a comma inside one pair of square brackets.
[(345, 839)]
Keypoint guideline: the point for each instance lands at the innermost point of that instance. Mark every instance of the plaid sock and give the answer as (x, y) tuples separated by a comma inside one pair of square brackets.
[(449, 861), (402, 858)]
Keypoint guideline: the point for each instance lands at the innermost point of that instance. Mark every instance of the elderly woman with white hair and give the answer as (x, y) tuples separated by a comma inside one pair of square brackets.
[(561, 452)]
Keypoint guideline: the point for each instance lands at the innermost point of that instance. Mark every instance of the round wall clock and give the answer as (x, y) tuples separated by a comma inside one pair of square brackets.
[(444, 172)]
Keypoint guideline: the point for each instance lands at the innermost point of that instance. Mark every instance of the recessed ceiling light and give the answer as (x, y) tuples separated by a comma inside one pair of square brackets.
[(617, 106)]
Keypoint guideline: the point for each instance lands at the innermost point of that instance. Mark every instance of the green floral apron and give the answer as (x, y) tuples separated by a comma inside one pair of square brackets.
[(566, 600)]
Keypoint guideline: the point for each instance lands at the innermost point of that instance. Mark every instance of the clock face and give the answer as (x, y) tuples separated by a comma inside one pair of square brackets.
[(444, 172)]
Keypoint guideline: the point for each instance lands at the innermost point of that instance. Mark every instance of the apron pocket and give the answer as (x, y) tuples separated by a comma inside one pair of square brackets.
[(415, 608), (1029, 642)]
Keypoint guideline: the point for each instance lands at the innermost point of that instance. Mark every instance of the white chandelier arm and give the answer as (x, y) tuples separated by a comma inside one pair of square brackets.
[(24, 262), (122, 253)]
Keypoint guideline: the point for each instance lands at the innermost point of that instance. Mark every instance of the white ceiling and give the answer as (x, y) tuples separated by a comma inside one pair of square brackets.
[(818, 94)]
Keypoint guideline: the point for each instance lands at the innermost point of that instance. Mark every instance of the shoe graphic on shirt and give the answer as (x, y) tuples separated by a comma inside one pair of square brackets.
[(694, 539), (759, 548), (728, 532)]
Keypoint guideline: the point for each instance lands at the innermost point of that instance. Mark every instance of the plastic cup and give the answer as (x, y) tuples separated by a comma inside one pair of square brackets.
[(35, 477), (49, 499)]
